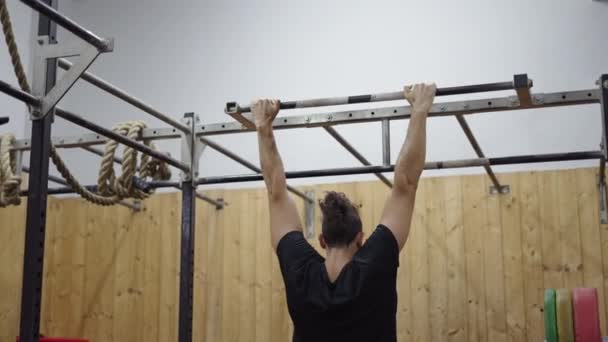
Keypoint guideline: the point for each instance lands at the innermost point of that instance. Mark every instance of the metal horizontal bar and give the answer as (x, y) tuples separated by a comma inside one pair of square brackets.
[(232, 107), (4, 120), (70, 25), (509, 103), (118, 160), (450, 164), (340, 139), (218, 204), (120, 138), (497, 104), (542, 158), (19, 94), (123, 95)]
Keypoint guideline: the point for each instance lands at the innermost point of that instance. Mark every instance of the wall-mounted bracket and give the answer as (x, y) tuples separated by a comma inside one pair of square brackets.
[(502, 190), (44, 52), (309, 215)]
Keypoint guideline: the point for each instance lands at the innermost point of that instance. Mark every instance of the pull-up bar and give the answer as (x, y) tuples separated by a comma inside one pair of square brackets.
[(3, 120), (234, 107), (70, 25)]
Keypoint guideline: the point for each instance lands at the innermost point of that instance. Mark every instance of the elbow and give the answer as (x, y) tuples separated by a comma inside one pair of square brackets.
[(406, 184)]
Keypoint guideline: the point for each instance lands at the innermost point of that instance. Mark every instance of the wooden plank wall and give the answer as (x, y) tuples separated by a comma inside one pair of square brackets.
[(473, 270)]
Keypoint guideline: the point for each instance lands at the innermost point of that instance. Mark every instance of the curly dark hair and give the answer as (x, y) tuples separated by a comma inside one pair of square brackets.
[(341, 221)]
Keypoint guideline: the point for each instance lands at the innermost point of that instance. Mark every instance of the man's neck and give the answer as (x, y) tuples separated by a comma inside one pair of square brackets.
[(336, 259)]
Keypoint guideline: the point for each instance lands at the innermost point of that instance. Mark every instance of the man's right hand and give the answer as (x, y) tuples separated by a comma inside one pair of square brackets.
[(264, 111), (420, 96)]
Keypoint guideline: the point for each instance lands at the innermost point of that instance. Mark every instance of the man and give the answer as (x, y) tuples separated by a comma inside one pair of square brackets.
[(351, 294)]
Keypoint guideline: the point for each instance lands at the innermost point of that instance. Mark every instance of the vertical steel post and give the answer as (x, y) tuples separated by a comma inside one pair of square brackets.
[(603, 83), (386, 142), (33, 256), (191, 150)]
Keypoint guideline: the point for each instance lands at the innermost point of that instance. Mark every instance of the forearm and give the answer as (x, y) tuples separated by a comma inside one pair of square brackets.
[(271, 163), (410, 162)]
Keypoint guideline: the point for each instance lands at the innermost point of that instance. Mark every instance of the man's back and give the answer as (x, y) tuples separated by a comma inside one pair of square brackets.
[(360, 305)]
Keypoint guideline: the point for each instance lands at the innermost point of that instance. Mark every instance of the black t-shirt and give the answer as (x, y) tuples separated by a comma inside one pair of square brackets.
[(360, 305)]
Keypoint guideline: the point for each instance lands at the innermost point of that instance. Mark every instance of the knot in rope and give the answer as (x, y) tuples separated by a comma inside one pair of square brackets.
[(10, 182)]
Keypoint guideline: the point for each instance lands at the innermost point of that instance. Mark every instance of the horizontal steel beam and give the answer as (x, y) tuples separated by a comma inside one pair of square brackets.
[(541, 158), (437, 165), (233, 107), (100, 130), (123, 95), (498, 104), (118, 160), (70, 25), (64, 114)]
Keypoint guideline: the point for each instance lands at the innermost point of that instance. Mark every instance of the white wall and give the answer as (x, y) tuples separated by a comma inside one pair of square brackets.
[(22, 19), (193, 55)]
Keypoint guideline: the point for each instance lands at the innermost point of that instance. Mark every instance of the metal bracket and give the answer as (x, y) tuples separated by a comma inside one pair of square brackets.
[(232, 109), (309, 215), (522, 86), (45, 51), (603, 84), (192, 148), (503, 190), (603, 198)]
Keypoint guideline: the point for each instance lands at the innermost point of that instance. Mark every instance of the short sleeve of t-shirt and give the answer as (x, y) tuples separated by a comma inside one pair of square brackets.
[(295, 252), (381, 250)]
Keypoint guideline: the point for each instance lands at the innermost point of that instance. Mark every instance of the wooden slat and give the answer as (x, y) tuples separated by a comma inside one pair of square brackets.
[(588, 213), (169, 266), (215, 290), (404, 275), (263, 275), (11, 269), (532, 259), (474, 207), (152, 267), (513, 260), (230, 315), (420, 268), (456, 275), (494, 268), (99, 280), (54, 220), (553, 276), (570, 230), (247, 265), (437, 250)]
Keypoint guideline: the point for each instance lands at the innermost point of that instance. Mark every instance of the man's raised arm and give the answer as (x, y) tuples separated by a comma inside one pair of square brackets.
[(284, 216), (399, 206)]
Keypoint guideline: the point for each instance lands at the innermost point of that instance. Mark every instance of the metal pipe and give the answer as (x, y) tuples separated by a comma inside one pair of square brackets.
[(118, 160), (136, 206), (70, 25), (386, 142), (342, 171), (4, 120), (541, 158), (249, 165), (437, 165), (234, 107), (19, 94), (123, 95), (28, 98), (340, 139), (469, 133), (120, 138)]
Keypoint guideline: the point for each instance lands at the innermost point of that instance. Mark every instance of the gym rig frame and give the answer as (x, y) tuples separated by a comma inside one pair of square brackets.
[(47, 92)]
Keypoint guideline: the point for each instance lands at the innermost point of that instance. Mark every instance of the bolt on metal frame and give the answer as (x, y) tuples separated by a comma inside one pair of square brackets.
[(194, 135)]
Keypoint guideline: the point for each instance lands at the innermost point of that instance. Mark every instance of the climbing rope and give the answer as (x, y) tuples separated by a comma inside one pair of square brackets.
[(110, 188), (10, 182)]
